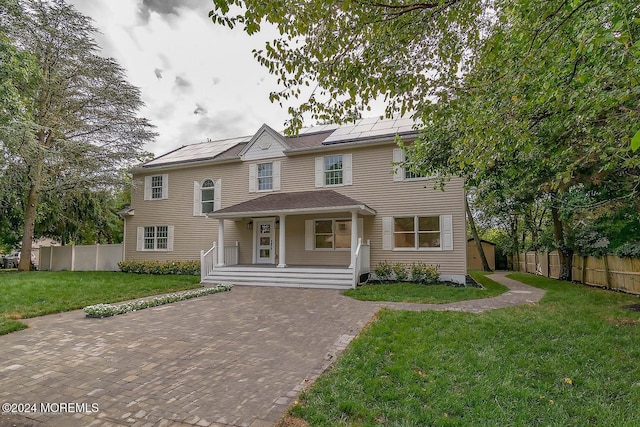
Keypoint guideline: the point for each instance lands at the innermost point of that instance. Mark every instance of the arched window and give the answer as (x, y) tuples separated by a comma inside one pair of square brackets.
[(208, 196)]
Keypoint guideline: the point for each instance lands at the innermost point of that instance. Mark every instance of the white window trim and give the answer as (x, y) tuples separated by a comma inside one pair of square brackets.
[(140, 239), (399, 172), (197, 196), (148, 190), (310, 234), (347, 170), (446, 234), (275, 177)]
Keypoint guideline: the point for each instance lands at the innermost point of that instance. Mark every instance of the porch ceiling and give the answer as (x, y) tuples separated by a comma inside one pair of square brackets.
[(304, 202)]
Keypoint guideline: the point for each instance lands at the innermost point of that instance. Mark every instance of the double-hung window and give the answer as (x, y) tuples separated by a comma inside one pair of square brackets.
[(156, 187), (155, 238), (265, 176), (207, 196), (333, 170)]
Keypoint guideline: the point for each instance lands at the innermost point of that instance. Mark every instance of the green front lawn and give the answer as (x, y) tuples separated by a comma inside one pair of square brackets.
[(39, 292), (571, 360), (427, 294)]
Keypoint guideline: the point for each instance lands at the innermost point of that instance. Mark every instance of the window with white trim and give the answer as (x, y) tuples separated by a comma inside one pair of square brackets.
[(333, 170), (402, 173), (156, 187), (207, 200), (418, 232), (155, 238), (206, 196), (265, 176), (332, 233)]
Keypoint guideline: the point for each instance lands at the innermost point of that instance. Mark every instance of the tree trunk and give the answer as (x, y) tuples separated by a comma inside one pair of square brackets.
[(476, 238), (30, 211), (565, 254)]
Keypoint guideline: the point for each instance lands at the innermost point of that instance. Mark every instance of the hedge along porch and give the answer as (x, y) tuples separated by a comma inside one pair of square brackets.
[(319, 232)]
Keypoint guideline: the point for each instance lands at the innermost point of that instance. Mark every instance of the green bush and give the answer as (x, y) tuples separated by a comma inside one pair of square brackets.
[(426, 274), (629, 250), (191, 268), (400, 271), (383, 271)]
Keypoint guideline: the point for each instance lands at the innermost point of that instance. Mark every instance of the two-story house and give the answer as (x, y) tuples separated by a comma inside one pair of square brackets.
[(322, 208)]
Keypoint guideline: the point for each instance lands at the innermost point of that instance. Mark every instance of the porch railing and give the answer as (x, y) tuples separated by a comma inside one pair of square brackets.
[(361, 261), (209, 259)]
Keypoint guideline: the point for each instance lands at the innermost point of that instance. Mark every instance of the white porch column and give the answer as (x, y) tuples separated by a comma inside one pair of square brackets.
[(220, 242), (282, 261), (354, 235)]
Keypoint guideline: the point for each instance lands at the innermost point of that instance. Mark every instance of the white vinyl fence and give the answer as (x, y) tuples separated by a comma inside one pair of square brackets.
[(81, 258)]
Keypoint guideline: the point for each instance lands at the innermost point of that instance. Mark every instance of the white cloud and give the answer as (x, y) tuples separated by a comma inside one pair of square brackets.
[(183, 63)]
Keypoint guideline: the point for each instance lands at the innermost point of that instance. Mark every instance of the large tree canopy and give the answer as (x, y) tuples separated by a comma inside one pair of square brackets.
[(79, 125), (535, 103), (335, 56)]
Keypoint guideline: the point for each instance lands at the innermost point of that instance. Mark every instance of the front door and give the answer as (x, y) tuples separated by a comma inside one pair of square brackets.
[(265, 251)]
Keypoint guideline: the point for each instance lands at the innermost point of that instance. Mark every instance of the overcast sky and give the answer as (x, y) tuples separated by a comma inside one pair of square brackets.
[(198, 80)]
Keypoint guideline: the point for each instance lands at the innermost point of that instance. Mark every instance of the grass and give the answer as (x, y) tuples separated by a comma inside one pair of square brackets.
[(427, 294), (570, 360), (38, 293)]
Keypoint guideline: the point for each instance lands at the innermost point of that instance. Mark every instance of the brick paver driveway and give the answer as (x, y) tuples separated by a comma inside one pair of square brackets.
[(236, 358)]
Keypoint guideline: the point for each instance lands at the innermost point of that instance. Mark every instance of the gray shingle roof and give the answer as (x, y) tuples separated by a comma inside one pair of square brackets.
[(297, 202), (308, 138)]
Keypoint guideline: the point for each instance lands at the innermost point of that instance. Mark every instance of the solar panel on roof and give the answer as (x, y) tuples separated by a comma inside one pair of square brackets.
[(203, 150)]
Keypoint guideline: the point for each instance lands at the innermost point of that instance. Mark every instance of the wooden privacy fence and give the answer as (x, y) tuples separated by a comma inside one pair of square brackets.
[(610, 271), (81, 258)]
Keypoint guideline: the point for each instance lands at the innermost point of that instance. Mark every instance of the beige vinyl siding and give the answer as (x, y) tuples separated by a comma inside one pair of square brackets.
[(372, 184)]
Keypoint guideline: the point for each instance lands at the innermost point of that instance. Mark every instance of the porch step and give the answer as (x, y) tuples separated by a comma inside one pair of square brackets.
[(325, 278)]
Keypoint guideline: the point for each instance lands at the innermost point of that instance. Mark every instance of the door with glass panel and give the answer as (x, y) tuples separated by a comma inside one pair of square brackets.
[(265, 251)]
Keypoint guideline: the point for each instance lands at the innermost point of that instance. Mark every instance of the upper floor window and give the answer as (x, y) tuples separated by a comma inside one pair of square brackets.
[(402, 173), (156, 187), (208, 196), (333, 170), (265, 176)]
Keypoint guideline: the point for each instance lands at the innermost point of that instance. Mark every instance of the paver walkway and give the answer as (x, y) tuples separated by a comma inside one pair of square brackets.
[(237, 358)]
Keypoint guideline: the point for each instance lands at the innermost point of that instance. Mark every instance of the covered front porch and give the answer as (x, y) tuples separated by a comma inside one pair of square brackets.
[(305, 239)]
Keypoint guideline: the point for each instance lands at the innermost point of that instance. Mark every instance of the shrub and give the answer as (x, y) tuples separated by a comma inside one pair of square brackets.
[(629, 250), (432, 274), (400, 271), (383, 271), (106, 310), (191, 268), (427, 274), (417, 272)]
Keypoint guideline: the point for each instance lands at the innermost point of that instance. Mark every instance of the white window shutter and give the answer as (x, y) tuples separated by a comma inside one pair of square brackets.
[(197, 199), (147, 188), (319, 171), (140, 244), (446, 232), (398, 171), (309, 238), (347, 169), (276, 176), (387, 233), (253, 173), (165, 186), (170, 232), (361, 229), (217, 195)]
